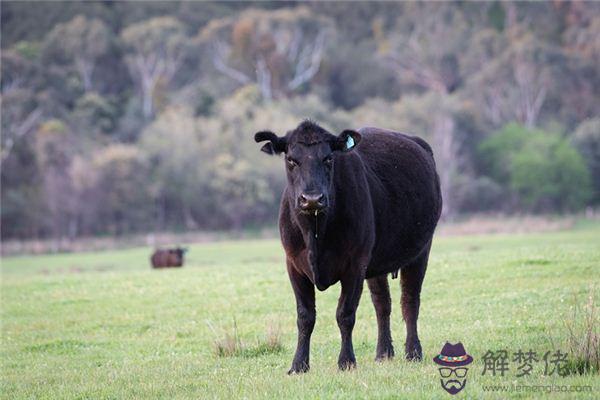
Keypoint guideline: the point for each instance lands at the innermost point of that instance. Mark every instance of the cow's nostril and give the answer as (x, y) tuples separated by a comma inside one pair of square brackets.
[(312, 201)]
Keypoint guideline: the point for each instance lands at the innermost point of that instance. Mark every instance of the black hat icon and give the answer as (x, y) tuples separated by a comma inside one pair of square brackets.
[(453, 355)]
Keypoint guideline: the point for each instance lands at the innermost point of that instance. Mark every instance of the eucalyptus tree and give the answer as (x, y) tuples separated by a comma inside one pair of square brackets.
[(280, 51), (155, 50)]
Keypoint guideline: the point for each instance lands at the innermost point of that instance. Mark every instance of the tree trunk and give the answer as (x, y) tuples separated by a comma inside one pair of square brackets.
[(446, 158), (147, 106), (190, 222), (86, 69)]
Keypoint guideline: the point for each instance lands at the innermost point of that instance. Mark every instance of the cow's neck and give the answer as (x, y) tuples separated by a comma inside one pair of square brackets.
[(314, 237), (314, 228)]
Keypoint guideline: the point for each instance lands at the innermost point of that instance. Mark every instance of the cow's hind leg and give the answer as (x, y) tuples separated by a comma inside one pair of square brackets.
[(411, 281), (380, 294)]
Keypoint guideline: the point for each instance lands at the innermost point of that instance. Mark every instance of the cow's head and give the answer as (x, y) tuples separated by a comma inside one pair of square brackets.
[(310, 159), (178, 252)]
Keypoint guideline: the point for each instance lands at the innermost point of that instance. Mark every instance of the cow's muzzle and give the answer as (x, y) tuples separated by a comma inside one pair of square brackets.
[(312, 202)]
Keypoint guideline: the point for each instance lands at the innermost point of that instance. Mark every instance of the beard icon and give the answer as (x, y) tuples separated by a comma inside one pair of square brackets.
[(453, 380), (453, 360)]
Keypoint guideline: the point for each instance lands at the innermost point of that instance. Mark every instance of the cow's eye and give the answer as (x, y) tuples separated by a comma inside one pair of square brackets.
[(291, 163), (328, 161)]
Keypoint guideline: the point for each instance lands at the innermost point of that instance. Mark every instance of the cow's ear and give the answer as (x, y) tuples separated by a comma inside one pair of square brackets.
[(347, 140), (276, 144)]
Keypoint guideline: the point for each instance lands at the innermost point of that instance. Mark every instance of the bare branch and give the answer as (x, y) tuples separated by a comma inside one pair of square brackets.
[(532, 92), (294, 46), (263, 76), (11, 85), (85, 68), (220, 54), (418, 73), (23, 129), (309, 63)]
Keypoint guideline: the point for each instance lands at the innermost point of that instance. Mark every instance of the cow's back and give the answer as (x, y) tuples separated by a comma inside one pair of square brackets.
[(160, 259), (155, 259), (405, 194)]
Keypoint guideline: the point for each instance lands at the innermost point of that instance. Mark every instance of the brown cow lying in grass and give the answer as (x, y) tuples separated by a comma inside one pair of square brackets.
[(167, 258)]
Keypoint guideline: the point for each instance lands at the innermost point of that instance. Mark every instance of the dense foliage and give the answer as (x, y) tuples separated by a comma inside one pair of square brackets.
[(133, 116)]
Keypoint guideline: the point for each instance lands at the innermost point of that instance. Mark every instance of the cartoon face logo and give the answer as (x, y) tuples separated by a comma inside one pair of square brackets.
[(452, 360)]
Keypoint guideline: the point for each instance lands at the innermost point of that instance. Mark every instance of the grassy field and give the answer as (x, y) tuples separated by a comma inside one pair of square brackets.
[(104, 325)]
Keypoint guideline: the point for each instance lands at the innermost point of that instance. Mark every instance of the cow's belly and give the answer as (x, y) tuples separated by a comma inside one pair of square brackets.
[(397, 251)]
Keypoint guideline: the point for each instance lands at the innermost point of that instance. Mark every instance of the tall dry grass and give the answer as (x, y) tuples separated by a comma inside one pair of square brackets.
[(583, 338), (228, 342)]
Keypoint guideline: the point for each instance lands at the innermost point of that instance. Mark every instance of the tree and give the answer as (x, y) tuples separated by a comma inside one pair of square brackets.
[(581, 33), (94, 113), (578, 89), (345, 79), (180, 157), (519, 88), (20, 117), (155, 51), (424, 53), (121, 188), (21, 112), (587, 141), (22, 210), (496, 152), (82, 42), (280, 50), (55, 148), (548, 174), (236, 189)]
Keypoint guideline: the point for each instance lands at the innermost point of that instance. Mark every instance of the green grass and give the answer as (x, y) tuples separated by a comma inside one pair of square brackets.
[(104, 325)]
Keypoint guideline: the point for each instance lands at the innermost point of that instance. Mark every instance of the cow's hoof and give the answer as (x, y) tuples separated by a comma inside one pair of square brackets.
[(347, 363), (299, 368), (385, 354), (414, 351)]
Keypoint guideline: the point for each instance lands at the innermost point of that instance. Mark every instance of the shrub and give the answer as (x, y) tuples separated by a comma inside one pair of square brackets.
[(541, 168), (587, 141), (477, 194)]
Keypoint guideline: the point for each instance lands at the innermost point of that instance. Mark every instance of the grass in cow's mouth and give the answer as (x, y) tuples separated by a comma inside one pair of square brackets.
[(130, 332)]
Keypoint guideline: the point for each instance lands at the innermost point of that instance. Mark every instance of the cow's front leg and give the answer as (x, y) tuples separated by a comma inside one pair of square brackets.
[(346, 316), (305, 307)]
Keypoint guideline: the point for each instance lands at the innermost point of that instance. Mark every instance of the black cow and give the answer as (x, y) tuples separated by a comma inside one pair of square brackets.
[(356, 206), (168, 258)]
